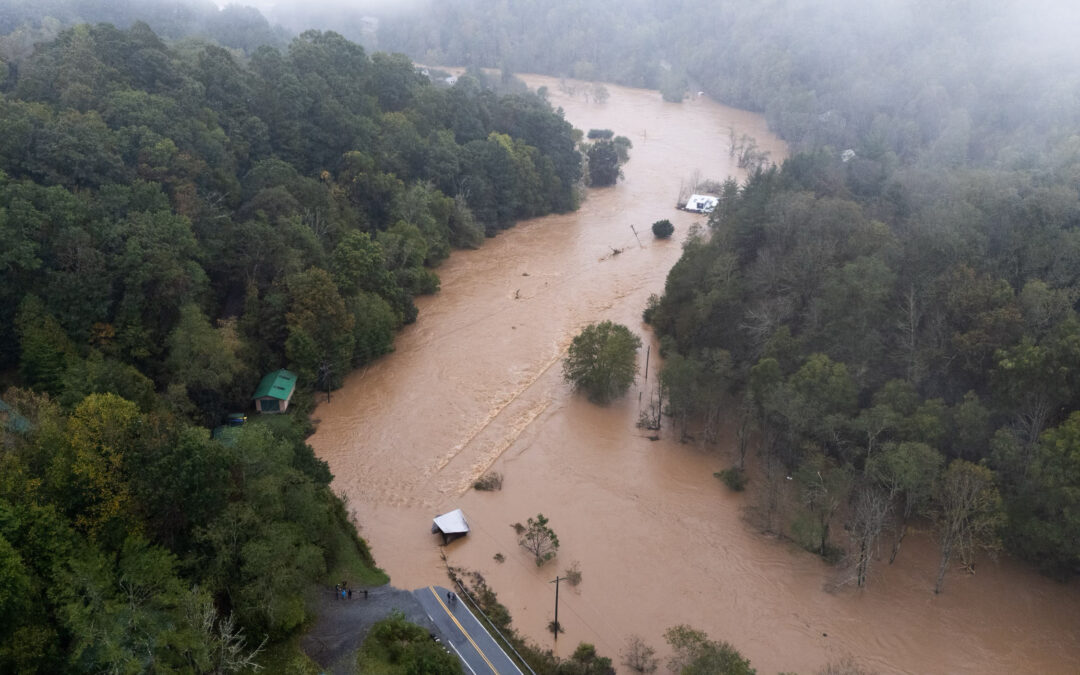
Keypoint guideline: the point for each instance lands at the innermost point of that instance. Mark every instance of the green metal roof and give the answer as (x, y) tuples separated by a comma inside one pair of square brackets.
[(278, 384)]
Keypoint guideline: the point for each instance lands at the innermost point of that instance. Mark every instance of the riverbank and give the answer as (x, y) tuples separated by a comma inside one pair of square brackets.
[(475, 384)]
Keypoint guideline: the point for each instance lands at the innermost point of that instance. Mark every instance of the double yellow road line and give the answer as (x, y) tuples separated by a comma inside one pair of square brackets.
[(462, 628)]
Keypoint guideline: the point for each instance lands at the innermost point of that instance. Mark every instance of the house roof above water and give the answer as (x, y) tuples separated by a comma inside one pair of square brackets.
[(451, 523), (278, 384)]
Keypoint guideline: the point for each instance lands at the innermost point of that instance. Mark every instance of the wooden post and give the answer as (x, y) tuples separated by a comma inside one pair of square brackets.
[(648, 352)]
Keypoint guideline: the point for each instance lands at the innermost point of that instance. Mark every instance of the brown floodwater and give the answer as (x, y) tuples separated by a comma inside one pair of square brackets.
[(475, 385)]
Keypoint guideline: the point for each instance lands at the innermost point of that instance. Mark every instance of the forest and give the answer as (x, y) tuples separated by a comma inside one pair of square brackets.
[(889, 316), (178, 220)]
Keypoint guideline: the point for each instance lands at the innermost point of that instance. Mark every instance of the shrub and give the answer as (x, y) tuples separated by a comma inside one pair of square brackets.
[(604, 134), (638, 656), (651, 307), (573, 573), (492, 480), (734, 478), (663, 229)]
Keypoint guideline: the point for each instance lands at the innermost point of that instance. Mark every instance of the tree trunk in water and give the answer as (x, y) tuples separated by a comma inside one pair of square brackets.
[(946, 554), (899, 540), (864, 562)]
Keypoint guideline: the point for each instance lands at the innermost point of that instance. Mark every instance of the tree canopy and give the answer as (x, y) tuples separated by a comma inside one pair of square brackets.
[(602, 360), (178, 220)]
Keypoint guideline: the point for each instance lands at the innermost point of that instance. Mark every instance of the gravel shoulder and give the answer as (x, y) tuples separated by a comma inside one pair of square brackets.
[(342, 625)]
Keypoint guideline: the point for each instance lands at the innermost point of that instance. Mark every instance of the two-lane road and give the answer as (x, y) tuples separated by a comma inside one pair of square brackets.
[(465, 635)]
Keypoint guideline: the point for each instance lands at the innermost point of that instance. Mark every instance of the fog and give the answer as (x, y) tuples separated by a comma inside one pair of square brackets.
[(892, 271)]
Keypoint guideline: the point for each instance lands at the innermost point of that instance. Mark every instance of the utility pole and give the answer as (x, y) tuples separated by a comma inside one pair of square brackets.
[(640, 245), (648, 352), (556, 582)]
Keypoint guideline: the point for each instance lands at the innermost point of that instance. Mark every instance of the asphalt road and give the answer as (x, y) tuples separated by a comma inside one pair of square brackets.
[(464, 634)]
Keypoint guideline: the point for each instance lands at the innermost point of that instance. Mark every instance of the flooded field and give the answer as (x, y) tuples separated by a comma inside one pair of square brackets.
[(476, 385)]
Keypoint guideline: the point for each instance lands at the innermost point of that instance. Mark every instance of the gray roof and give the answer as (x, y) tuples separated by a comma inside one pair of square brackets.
[(451, 523)]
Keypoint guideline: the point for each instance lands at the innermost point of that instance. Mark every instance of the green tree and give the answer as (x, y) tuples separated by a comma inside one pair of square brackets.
[(95, 470), (695, 654), (203, 358), (320, 341), (394, 641), (1044, 518), (603, 163), (15, 585), (539, 539), (602, 360), (585, 661), (46, 349)]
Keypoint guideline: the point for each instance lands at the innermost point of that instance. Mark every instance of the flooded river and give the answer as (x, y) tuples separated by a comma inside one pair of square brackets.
[(476, 385)]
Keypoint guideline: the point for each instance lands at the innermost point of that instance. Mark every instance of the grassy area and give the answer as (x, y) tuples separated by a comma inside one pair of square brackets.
[(283, 425), (353, 562), (288, 659)]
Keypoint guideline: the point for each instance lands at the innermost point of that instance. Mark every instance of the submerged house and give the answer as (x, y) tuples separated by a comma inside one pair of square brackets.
[(450, 525), (274, 392), (701, 203)]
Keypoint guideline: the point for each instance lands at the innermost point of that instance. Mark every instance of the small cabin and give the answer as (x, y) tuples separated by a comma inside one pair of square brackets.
[(274, 392), (450, 525), (701, 203)]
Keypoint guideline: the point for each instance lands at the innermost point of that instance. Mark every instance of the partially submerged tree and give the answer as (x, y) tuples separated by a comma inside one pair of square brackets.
[(695, 654), (638, 656), (662, 229), (603, 163), (824, 487), (539, 539), (602, 360), (908, 472), (968, 514), (869, 512)]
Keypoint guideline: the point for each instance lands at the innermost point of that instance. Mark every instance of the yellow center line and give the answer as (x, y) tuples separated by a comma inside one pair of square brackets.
[(462, 628)]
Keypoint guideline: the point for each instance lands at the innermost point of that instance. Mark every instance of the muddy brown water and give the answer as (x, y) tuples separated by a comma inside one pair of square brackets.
[(475, 385)]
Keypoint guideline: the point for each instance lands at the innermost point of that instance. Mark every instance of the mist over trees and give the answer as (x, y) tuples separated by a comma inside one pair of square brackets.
[(24, 23)]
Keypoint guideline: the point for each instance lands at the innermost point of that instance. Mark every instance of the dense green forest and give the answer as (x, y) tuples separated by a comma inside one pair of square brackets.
[(898, 321), (178, 220)]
